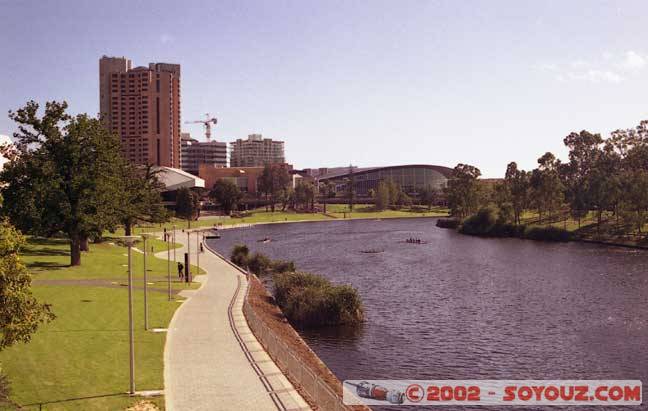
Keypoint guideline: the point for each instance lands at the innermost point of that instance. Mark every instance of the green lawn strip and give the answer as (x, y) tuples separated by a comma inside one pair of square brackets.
[(84, 351), (49, 259)]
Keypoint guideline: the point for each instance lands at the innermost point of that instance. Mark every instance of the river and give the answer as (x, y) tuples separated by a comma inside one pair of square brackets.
[(462, 307)]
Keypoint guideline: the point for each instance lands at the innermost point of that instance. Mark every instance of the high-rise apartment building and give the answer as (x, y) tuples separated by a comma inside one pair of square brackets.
[(256, 151), (142, 106), (194, 153)]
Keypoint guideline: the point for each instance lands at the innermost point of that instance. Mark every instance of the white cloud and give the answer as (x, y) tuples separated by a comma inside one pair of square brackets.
[(632, 61)]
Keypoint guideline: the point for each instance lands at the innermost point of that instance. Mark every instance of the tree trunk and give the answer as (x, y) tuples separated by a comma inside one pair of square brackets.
[(75, 250), (189, 222), (127, 228), (84, 246)]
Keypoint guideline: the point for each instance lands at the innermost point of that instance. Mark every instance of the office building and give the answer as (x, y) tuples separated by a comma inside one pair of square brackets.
[(142, 106), (256, 151), (194, 153)]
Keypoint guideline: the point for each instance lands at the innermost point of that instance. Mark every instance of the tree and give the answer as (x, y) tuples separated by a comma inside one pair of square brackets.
[(428, 196), (517, 185), (20, 313), (463, 191), (546, 185), (187, 205), (141, 196), (227, 194), (304, 194), (350, 188), (65, 175), (274, 182), (381, 198), (326, 190)]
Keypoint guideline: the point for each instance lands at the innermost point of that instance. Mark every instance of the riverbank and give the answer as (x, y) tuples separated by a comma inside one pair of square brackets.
[(260, 216), (293, 355), (88, 339)]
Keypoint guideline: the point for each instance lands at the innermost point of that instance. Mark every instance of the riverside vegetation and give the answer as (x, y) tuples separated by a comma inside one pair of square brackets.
[(307, 300), (600, 193)]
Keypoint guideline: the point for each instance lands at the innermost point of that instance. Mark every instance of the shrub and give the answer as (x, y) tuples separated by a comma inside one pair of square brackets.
[(549, 233), (259, 264), (5, 391), (481, 223), (451, 223), (310, 300), (240, 254), (507, 230), (283, 266)]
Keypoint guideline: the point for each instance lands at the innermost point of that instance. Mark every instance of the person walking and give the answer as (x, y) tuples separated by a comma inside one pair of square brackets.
[(180, 268)]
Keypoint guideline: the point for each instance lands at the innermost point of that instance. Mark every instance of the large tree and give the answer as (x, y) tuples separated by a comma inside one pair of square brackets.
[(517, 186), (141, 197), (274, 182), (547, 187), (20, 312), (463, 192), (227, 194), (64, 176), (187, 205)]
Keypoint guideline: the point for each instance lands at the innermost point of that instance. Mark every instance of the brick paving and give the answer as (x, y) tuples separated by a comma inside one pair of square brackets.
[(212, 361)]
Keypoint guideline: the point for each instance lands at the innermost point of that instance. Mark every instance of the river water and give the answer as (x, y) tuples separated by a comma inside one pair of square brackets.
[(461, 307)]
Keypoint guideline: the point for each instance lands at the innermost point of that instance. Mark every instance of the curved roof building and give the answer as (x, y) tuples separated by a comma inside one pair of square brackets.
[(410, 177)]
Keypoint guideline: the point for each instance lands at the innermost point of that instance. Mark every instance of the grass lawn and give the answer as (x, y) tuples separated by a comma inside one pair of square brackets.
[(80, 360), (262, 216), (367, 211)]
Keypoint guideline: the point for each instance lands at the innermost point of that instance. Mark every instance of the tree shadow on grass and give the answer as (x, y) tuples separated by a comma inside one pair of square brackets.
[(44, 252), (90, 397), (50, 265)]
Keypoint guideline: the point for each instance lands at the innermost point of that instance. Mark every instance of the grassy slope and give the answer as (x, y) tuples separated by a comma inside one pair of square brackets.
[(84, 352), (261, 216)]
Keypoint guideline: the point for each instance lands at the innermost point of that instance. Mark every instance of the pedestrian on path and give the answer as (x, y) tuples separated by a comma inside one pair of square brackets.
[(180, 268)]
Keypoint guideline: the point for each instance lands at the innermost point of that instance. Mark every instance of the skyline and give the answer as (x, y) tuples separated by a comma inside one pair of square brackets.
[(418, 82)]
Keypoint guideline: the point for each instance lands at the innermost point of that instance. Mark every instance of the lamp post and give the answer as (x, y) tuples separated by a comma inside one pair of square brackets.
[(197, 252), (168, 241), (145, 237), (130, 241), (189, 254), (174, 244)]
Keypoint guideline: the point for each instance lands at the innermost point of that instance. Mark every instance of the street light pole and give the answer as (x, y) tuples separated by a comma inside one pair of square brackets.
[(197, 252), (189, 255), (168, 240), (146, 237), (130, 240)]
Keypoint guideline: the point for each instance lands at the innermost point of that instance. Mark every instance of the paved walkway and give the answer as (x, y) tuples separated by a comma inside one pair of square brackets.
[(212, 361)]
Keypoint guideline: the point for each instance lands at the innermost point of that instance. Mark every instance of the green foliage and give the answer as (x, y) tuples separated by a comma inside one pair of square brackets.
[(20, 312), (463, 192), (141, 199), (547, 233), (428, 196), (187, 204), (259, 264), (274, 182), (65, 175), (240, 254), (309, 300), (450, 223), (283, 266), (381, 198), (5, 391), (304, 195), (480, 223), (227, 194)]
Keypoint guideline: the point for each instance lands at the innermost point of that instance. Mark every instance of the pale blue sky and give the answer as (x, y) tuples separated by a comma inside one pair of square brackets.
[(362, 82)]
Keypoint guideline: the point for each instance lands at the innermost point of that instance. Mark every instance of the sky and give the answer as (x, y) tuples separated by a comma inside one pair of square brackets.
[(368, 83)]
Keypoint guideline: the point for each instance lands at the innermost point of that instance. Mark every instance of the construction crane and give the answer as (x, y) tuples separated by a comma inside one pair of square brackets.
[(207, 123)]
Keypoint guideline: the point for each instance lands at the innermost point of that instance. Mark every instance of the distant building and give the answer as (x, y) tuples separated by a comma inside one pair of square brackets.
[(256, 151), (142, 106), (245, 178), (410, 178), (194, 153)]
